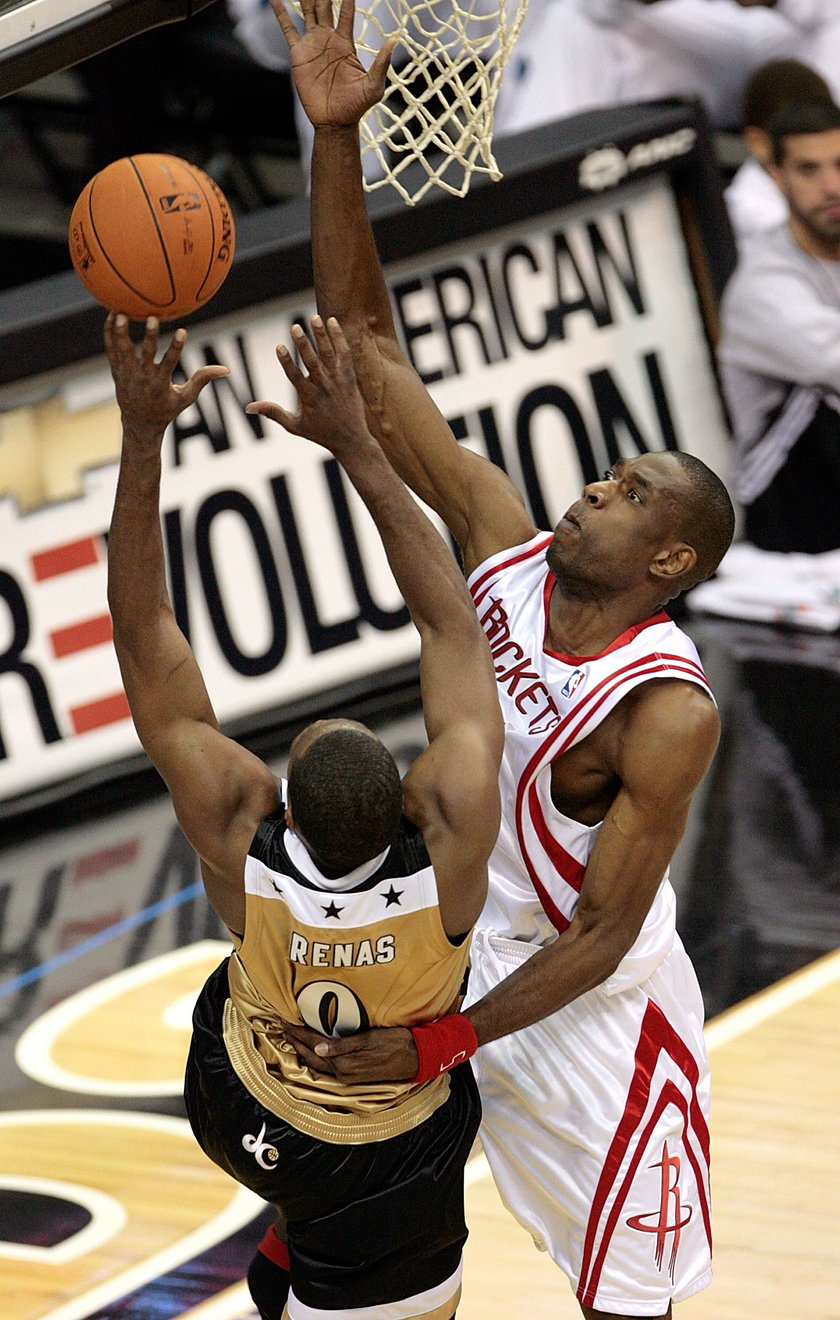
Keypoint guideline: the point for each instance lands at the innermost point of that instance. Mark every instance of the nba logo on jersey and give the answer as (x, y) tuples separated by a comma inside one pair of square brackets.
[(572, 682)]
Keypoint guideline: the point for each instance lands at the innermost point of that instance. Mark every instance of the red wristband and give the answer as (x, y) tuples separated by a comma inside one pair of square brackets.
[(275, 1249), (443, 1045)]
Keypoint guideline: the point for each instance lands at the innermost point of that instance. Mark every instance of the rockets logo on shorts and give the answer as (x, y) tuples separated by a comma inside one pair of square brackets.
[(671, 1216)]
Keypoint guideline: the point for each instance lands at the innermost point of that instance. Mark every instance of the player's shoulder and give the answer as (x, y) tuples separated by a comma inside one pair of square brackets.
[(669, 734), (673, 712)]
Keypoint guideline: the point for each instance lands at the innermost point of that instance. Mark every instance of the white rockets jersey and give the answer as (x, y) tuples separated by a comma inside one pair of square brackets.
[(551, 702)]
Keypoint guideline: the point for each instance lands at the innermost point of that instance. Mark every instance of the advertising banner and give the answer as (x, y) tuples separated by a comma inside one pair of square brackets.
[(553, 349)]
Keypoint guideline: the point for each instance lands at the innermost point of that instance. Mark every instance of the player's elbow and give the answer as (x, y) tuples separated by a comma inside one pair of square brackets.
[(607, 936)]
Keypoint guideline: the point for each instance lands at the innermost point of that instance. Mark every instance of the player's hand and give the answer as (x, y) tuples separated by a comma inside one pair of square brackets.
[(330, 411), (147, 396), (334, 87), (386, 1054)]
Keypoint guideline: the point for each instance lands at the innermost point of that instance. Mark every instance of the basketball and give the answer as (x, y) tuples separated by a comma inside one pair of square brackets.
[(152, 235)]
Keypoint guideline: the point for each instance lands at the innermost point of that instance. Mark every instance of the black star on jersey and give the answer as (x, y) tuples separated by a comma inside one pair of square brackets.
[(393, 896), (332, 910)]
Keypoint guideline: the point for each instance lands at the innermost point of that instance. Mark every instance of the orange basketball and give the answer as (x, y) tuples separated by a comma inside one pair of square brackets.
[(152, 235)]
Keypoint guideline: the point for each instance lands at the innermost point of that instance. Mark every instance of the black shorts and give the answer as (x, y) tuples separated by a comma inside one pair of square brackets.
[(367, 1224)]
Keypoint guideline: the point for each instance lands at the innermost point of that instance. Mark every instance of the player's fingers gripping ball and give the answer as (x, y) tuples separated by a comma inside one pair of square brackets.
[(152, 235)]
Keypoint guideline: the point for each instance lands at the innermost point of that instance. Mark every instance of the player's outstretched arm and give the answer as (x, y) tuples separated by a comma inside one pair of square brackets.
[(331, 413), (220, 791), (451, 791), (482, 508)]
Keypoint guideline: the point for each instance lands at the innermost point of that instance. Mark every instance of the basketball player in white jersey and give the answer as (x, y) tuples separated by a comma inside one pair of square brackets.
[(349, 895), (595, 1111)]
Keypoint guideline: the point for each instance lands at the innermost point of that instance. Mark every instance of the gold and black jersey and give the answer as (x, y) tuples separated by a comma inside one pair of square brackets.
[(340, 960)]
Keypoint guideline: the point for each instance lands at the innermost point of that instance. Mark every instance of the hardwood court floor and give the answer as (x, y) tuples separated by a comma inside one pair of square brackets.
[(776, 1065), (775, 1173), (105, 937)]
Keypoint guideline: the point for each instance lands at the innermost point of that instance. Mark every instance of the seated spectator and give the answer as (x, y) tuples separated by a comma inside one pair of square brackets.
[(818, 44), (780, 346), (753, 198), (575, 55)]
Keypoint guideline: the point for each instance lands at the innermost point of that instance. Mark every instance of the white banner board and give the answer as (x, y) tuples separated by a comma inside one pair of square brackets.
[(554, 350)]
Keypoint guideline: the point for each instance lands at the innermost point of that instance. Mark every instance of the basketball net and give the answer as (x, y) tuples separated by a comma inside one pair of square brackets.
[(441, 92)]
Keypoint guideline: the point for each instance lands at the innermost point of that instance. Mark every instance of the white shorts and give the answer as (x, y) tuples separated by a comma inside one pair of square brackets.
[(595, 1125)]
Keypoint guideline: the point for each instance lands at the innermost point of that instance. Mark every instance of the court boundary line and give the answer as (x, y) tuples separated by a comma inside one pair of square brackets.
[(101, 937), (240, 1209), (759, 1008)]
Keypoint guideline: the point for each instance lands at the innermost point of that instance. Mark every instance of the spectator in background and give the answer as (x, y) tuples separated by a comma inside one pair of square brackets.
[(780, 346), (575, 55), (818, 27), (753, 198)]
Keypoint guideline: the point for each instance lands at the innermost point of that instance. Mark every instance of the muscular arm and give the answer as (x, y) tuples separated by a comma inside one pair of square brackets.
[(664, 747), (219, 790), (479, 504), (451, 791), (667, 744)]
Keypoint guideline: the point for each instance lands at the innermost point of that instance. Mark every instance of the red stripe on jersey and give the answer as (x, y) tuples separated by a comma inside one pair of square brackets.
[(93, 714), (558, 919), (533, 550), (586, 708), (670, 1095), (674, 667), (80, 636), (64, 558), (567, 867), (657, 1036)]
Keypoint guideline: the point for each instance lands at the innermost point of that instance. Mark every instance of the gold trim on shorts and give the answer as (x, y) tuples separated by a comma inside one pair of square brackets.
[(342, 1129)]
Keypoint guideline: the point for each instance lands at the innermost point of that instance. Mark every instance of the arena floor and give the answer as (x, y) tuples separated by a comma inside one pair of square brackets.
[(107, 1207)]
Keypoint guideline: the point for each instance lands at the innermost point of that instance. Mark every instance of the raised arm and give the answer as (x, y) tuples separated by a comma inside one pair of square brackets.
[(479, 504), (220, 791), (451, 791)]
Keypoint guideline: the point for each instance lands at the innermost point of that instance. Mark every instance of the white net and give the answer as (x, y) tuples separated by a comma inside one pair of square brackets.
[(442, 89)]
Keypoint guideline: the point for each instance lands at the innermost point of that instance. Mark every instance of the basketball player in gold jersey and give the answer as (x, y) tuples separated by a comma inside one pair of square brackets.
[(592, 1067), (349, 896)]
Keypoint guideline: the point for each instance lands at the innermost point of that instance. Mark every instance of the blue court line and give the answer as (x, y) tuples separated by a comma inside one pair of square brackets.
[(101, 937)]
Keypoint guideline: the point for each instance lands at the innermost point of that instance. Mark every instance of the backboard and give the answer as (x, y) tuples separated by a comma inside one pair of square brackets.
[(38, 37)]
